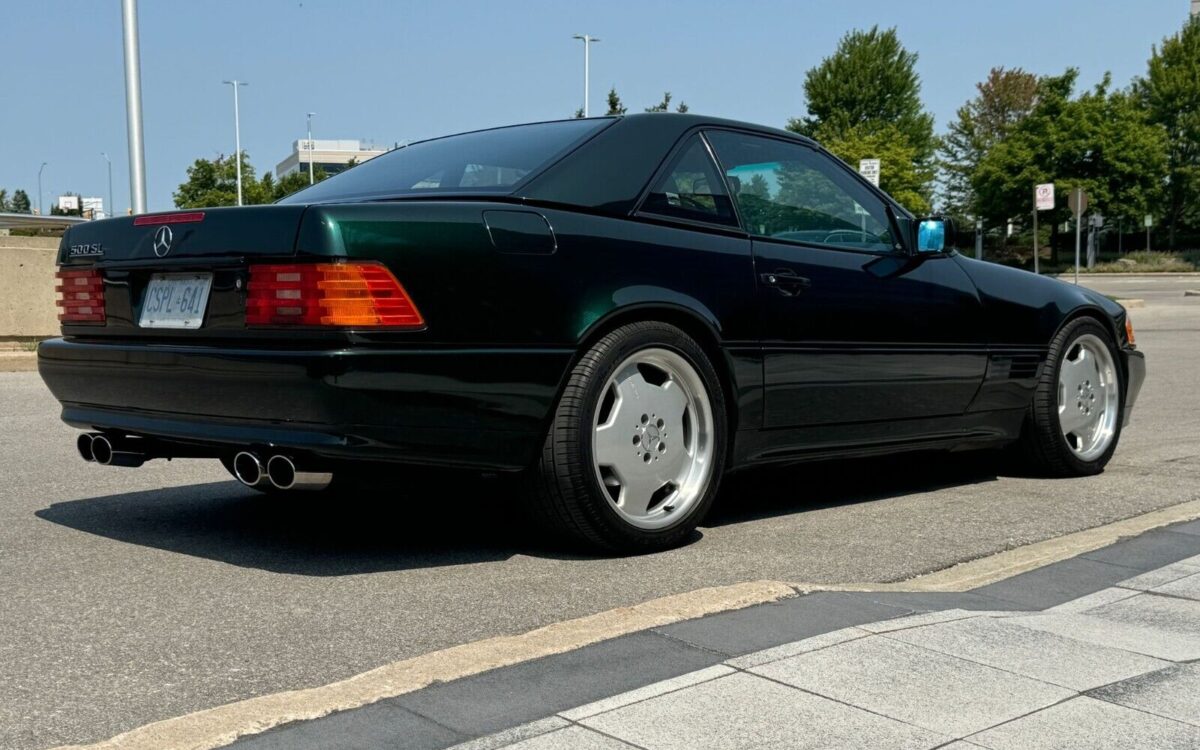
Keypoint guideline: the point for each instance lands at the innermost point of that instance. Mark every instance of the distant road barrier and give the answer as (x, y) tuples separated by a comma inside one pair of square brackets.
[(27, 287)]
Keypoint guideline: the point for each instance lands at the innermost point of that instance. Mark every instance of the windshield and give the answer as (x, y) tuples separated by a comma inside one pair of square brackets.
[(484, 161)]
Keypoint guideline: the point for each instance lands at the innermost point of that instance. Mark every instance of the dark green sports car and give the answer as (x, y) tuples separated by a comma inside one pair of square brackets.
[(620, 309)]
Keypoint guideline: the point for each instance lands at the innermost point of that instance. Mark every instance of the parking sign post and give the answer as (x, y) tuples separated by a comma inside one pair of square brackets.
[(1077, 200), (1043, 200)]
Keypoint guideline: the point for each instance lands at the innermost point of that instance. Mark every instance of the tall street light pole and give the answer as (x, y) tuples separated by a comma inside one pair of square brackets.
[(112, 209), (310, 148), (133, 108), (41, 213), (237, 136), (587, 44)]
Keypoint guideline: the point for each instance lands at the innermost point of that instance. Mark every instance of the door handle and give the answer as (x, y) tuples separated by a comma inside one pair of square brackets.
[(785, 281)]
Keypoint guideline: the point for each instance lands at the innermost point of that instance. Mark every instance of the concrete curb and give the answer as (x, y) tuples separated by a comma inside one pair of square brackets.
[(220, 726), (17, 361)]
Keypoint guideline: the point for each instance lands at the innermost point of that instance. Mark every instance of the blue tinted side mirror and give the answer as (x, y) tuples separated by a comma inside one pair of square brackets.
[(931, 236)]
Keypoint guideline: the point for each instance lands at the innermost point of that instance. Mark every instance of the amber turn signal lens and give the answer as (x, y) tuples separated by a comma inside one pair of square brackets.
[(1129, 331)]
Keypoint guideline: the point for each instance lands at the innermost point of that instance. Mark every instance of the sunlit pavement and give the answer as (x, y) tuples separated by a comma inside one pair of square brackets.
[(132, 596), (1099, 651)]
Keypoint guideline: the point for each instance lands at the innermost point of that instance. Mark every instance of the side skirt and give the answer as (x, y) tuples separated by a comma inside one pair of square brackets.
[(991, 429)]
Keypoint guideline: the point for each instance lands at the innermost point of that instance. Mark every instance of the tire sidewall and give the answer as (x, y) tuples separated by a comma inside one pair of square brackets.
[(629, 341)]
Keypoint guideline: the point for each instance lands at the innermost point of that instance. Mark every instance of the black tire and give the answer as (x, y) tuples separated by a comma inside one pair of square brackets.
[(564, 496), (1043, 448)]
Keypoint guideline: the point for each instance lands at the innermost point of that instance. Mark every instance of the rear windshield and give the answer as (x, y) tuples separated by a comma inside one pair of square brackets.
[(487, 161)]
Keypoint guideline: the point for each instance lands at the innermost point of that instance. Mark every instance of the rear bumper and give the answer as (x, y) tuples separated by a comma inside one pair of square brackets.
[(480, 408), (1135, 375)]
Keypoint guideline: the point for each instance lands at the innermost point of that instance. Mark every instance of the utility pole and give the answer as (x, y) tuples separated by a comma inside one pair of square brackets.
[(133, 108), (112, 208), (237, 135), (587, 43), (310, 148), (42, 213)]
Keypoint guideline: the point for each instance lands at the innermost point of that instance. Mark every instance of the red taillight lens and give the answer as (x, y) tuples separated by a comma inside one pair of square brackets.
[(353, 295), (80, 296)]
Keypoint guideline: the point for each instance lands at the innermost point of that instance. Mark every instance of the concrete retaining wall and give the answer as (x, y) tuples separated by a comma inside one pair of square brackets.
[(27, 287)]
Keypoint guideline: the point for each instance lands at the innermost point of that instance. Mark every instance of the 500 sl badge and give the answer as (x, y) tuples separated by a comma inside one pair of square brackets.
[(85, 251)]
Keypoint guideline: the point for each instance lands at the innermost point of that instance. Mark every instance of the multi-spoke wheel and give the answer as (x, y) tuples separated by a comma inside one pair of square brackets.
[(1088, 397), (1075, 418), (635, 453)]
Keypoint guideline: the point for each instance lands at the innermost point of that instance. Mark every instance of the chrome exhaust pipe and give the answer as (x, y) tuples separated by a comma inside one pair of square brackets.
[(84, 445), (249, 470), (106, 454), (284, 475)]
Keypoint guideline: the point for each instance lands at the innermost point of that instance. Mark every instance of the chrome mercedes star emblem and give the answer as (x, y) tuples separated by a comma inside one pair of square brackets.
[(162, 240)]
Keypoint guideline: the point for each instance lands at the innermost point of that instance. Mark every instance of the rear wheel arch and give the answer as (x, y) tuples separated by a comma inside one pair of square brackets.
[(703, 330)]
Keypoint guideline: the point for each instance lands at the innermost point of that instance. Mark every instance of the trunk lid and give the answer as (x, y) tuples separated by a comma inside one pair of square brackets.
[(203, 233), (213, 244)]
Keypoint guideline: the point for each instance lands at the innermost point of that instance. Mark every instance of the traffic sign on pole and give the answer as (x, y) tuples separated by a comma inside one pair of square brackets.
[(1043, 196), (869, 168), (1077, 200)]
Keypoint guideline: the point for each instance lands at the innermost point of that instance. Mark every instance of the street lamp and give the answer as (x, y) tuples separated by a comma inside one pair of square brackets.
[(310, 148), (42, 213), (237, 136), (112, 210), (587, 43), (133, 108)]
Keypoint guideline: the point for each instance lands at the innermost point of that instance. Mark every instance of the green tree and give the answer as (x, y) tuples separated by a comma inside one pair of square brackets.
[(293, 181), (868, 94), (1003, 100), (213, 183), (1102, 141), (20, 202), (903, 174), (665, 105), (615, 107), (4, 201), (579, 114), (1171, 93), (869, 81), (757, 186)]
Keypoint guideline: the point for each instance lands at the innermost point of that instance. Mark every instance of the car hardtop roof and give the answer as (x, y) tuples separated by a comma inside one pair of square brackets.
[(687, 121)]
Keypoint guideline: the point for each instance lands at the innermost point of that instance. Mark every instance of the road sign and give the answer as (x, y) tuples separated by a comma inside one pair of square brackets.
[(1148, 221), (1078, 201), (869, 168), (1096, 220), (1043, 197)]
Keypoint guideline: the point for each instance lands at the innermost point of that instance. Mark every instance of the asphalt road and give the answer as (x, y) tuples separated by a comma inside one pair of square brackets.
[(128, 596)]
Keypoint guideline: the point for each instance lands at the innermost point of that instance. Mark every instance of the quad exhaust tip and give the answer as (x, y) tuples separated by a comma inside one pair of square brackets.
[(105, 453), (284, 475), (84, 445), (249, 470)]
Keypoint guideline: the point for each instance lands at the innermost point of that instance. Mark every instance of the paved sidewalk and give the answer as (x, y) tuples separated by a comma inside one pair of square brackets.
[(1108, 670), (1099, 651)]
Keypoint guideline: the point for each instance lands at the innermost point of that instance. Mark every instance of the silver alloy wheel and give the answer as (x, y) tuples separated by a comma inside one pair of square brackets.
[(1088, 397), (652, 442)]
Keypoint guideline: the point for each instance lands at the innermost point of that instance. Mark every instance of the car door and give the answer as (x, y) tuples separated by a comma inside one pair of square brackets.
[(854, 328)]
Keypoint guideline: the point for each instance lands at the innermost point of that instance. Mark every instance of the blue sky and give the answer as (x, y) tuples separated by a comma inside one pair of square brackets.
[(405, 70)]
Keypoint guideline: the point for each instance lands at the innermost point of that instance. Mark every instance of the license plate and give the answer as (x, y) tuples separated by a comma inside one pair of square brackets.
[(175, 300)]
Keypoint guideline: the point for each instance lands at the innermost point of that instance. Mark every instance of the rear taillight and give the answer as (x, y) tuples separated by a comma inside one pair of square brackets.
[(80, 296), (357, 295)]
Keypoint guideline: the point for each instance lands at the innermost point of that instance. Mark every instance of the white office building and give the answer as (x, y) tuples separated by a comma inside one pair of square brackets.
[(331, 156)]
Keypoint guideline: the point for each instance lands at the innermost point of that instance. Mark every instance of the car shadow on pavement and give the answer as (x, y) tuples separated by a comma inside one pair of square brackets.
[(452, 521), (317, 534), (781, 490)]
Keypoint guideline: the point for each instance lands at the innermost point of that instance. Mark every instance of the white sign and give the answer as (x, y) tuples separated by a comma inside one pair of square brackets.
[(68, 203), (1149, 221), (869, 168), (1043, 197)]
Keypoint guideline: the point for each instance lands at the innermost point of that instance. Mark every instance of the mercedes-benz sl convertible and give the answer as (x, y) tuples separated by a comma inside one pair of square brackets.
[(620, 310)]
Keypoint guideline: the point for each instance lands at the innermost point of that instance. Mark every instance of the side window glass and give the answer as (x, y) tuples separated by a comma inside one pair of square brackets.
[(788, 191), (692, 189)]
